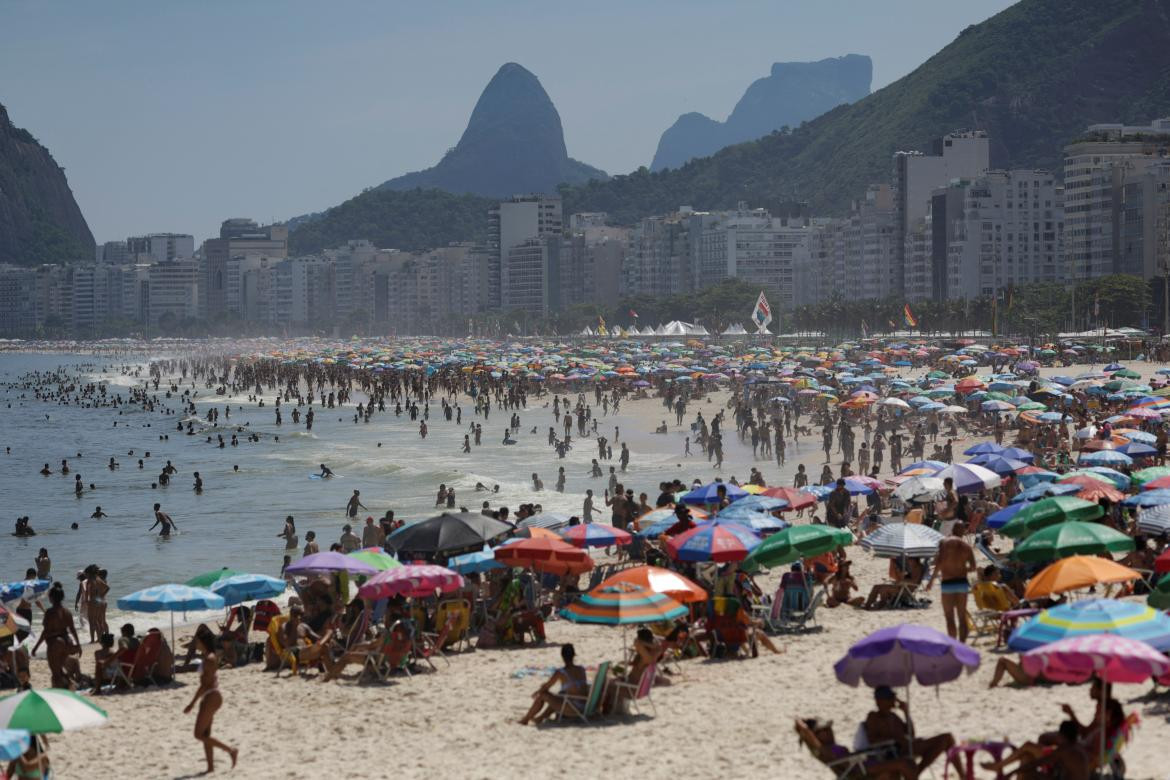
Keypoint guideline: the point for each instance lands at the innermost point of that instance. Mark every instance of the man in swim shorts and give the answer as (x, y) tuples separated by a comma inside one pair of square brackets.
[(955, 560)]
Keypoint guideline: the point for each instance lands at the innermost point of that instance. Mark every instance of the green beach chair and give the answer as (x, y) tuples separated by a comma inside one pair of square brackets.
[(584, 707)]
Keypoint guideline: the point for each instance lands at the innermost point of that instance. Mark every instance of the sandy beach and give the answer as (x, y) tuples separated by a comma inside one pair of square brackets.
[(719, 718)]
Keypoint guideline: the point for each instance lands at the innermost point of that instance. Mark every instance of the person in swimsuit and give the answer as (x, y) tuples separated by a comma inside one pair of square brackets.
[(289, 534), (58, 629), (32, 764), (210, 700), (955, 561), (163, 519), (573, 680)]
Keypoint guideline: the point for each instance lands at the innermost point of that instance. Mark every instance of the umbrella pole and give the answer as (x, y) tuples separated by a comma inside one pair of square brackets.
[(172, 631), (1101, 725)]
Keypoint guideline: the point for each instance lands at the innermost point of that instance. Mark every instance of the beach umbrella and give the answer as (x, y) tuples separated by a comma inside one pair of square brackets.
[(1045, 490), (1103, 457), (1034, 475), (1138, 450), (1113, 476), (1094, 616), (623, 603), (376, 558), (1049, 511), (920, 467), (984, 448), (756, 519), (896, 655), (1071, 538), (999, 464), (1147, 475), (596, 535), (22, 589), (13, 742), (1155, 519), (450, 533), (1149, 498), (659, 580), (664, 513), (903, 540), (205, 579), (709, 494), (797, 499), (711, 541), (329, 563), (248, 587), (555, 556), (474, 562), (999, 519), (1162, 562), (970, 478), (1109, 658), (792, 544), (49, 711), (1075, 573), (553, 521), (412, 581), (1159, 597), (171, 598), (921, 490)]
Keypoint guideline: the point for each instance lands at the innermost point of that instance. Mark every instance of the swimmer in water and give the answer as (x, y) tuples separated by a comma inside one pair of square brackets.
[(161, 518), (198, 483), (98, 514), (325, 472)]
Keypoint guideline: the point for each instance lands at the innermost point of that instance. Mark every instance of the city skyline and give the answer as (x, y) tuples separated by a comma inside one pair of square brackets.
[(154, 129)]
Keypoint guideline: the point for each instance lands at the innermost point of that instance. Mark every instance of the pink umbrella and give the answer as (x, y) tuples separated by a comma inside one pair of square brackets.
[(412, 580), (1108, 657)]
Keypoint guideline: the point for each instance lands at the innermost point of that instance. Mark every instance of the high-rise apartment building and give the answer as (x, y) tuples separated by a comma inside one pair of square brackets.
[(511, 223), (238, 238), (159, 247)]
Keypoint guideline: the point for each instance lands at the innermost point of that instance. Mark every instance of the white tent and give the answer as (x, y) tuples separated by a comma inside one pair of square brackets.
[(647, 331), (699, 330), (734, 330), (676, 328), (587, 332)]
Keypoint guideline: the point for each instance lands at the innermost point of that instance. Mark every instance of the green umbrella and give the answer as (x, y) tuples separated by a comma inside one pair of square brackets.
[(205, 579), (1071, 538), (376, 558), (1049, 511), (1150, 474), (1159, 597), (49, 711), (1127, 373), (794, 543)]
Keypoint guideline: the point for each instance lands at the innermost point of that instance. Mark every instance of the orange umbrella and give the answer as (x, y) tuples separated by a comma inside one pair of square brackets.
[(554, 556), (659, 580), (1097, 445), (1076, 572), (797, 499), (535, 532)]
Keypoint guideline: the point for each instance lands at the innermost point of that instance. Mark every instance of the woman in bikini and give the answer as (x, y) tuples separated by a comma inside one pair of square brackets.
[(574, 683), (58, 627), (210, 700)]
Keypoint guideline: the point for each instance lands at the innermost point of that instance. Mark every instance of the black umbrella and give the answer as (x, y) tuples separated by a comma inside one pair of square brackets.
[(451, 533)]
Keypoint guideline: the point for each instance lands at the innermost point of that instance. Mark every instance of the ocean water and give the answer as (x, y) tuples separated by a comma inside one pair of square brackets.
[(234, 522)]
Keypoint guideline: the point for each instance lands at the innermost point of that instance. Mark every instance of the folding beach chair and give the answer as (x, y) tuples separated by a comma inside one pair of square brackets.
[(146, 659), (460, 633), (285, 656), (641, 690), (392, 654), (585, 707)]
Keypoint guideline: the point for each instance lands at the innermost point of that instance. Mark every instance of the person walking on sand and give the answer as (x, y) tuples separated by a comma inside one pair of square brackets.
[(210, 700), (955, 560)]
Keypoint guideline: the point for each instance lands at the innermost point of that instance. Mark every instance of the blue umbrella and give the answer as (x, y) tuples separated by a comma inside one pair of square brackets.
[(171, 598), (13, 742), (1121, 481), (14, 591), (998, 463), (856, 488), (1036, 477), (986, 448), (1101, 457), (1160, 497), (1018, 454), (474, 562), (997, 520), (247, 587), (1046, 489), (755, 519), (1136, 449), (1096, 616), (709, 494)]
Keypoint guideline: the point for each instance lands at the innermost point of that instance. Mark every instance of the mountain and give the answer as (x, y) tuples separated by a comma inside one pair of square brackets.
[(39, 219), (1033, 76), (411, 221), (513, 144), (794, 92)]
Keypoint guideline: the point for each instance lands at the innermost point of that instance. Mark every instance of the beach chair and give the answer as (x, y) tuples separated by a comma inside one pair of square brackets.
[(285, 656), (641, 690), (146, 659), (263, 613), (124, 666), (431, 643), (990, 603), (460, 633), (585, 707), (391, 655), (850, 765), (1114, 765), (724, 626)]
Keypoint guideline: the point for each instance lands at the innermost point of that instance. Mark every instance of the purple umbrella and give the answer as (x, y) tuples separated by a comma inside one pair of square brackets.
[(329, 563), (896, 655)]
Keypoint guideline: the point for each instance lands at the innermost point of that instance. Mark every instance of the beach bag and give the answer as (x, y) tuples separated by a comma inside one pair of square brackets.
[(487, 638)]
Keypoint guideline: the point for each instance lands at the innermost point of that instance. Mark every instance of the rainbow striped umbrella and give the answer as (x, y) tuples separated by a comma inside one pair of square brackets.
[(713, 542), (1095, 616), (623, 603)]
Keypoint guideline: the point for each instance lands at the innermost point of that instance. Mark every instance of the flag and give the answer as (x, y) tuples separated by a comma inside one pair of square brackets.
[(633, 314), (601, 326), (908, 315), (864, 330), (1011, 296), (762, 314), (1097, 306)]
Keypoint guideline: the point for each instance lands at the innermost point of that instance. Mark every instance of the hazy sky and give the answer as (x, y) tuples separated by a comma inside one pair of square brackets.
[(172, 116)]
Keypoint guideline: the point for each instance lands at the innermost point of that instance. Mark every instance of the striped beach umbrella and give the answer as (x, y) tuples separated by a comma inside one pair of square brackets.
[(1049, 511), (970, 478), (1154, 520), (659, 580), (1071, 538), (22, 589), (1095, 616), (412, 581), (49, 711), (712, 541), (1148, 499), (376, 558), (596, 535), (898, 540), (623, 603)]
